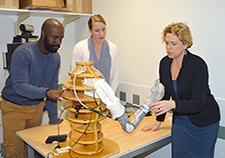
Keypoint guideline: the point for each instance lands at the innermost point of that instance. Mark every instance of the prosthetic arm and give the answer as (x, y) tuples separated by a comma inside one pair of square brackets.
[(106, 94)]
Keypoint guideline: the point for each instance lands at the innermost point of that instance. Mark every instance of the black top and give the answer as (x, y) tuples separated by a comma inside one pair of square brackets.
[(195, 98)]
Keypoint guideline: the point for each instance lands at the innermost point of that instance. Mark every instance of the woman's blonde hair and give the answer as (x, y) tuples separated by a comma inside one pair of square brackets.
[(181, 30), (95, 18)]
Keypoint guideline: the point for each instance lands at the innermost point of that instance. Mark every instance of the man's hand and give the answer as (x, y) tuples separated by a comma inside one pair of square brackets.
[(55, 94)]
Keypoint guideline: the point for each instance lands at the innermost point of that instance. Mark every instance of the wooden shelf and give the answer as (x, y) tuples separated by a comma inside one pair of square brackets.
[(23, 14), (6, 11)]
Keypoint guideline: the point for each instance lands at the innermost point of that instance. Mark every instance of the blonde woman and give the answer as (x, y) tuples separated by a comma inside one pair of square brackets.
[(102, 52), (196, 114)]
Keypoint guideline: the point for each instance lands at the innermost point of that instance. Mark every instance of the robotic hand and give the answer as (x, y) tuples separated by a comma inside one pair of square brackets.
[(106, 94)]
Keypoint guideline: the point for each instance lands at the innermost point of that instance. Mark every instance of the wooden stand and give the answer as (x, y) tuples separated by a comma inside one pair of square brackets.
[(85, 136), (110, 148)]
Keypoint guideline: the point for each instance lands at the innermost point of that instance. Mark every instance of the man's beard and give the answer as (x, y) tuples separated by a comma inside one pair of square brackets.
[(50, 47)]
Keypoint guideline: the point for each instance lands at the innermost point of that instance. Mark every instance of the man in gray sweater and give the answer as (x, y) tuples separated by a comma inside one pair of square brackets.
[(31, 85)]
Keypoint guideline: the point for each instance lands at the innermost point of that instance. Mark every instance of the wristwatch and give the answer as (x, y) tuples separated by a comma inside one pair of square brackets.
[(47, 92)]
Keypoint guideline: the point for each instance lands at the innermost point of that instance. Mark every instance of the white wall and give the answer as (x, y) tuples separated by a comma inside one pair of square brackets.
[(136, 26)]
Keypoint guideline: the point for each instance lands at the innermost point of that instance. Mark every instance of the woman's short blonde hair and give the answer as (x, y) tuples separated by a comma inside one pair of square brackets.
[(95, 18), (181, 30)]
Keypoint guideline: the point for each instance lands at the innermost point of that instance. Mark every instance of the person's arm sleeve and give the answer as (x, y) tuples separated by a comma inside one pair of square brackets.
[(115, 70), (77, 55), (51, 105), (20, 76)]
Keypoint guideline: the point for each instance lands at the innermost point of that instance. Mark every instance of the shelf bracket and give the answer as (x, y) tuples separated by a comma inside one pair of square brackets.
[(69, 19), (21, 18)]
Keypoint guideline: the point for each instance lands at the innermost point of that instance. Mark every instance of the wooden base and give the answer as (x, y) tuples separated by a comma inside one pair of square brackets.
[(110, 148), (79, 86), (69, 95)]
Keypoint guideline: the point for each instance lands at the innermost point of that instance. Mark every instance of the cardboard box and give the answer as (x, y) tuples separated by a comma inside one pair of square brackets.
[(57, 5), (41, 3), (79, 6), (13, 4), (49, 3)]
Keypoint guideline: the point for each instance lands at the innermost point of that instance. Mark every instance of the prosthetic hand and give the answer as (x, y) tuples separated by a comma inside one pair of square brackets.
[(106, 94)]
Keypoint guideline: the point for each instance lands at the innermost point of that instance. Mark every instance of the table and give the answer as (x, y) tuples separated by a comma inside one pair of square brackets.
[(130, 144)]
